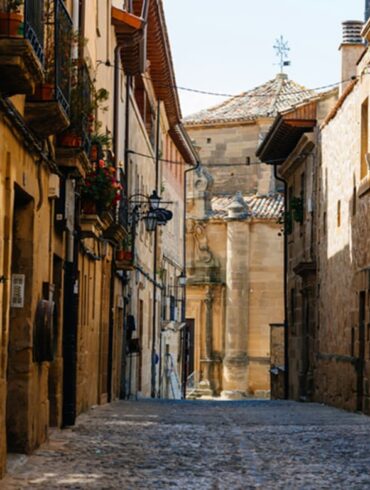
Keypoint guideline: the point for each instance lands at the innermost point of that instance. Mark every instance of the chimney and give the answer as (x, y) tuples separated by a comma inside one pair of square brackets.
[(367, 10), (351, 48)]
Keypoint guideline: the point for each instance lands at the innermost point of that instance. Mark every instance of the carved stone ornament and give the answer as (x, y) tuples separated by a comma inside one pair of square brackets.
[(203, 253), (201, 193), (238, 208)]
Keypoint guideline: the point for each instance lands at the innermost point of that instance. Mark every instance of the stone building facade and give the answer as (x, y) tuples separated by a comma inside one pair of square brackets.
[(234, 251), (325, 164), (292, 140), (75, 266)]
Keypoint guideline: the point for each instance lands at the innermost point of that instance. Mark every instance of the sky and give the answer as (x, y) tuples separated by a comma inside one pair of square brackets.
[(227, 45)]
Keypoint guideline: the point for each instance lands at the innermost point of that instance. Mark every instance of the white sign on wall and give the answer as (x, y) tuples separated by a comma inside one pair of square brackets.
[(17, 290)]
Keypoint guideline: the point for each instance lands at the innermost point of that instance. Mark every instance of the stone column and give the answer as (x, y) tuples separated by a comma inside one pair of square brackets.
[(206, 361), (235, 365)]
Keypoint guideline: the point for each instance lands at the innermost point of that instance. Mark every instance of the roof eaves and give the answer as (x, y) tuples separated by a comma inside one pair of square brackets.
[(339, 103)]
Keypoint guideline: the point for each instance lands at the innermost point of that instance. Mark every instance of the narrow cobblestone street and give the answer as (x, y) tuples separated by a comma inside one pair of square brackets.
[(202, 445)]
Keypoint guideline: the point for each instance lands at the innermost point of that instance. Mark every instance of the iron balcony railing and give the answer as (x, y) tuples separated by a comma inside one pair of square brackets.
[(86, 96), (58, 51), (81, 102), (63, 35), (25, 19)]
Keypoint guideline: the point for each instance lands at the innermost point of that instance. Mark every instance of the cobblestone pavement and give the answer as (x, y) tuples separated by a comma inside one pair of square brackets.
[(202, 445)]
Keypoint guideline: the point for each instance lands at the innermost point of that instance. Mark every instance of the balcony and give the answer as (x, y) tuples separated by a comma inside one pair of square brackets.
[(47, 110), (131, 36), (73, 144), (21, 46)]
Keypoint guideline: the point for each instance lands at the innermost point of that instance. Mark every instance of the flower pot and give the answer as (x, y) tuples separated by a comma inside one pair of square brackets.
[(89, 207), (124, 255), (44, 92), (94, 152), (70, 140), (11, 24)]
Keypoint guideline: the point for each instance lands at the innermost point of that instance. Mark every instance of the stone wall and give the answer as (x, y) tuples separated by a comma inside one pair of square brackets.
[(263, 293), (344, 259), (27, 247), (234, 144), (277, 371)]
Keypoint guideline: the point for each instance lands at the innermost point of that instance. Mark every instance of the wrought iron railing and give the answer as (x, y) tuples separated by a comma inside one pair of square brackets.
[(81, 108), (58, 52), (20, 18), (34, 26), (63, 35), (85, 90)]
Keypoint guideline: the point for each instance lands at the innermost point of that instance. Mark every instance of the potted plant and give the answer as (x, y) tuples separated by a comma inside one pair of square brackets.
[(125, 253), (11, 18), (98, 142), (101, 189)]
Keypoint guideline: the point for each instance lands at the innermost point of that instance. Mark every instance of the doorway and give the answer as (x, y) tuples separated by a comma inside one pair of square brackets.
[(56, 366), (361, 353), (20, 344), (188, 336)]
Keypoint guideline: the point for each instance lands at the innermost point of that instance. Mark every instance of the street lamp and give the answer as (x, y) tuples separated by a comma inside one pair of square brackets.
[(151, 220), (182, 279), (154, 200)]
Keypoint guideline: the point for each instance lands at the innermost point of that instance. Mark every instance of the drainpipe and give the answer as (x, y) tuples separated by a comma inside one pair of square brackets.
[(184, 368), (123, 393), (117, 64), (127, 138), (286, 326), (76, 25), (117, 55), (155, 245)]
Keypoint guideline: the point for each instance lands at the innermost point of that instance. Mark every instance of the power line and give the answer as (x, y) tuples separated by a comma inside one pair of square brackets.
[(246, 95), (237, 164)]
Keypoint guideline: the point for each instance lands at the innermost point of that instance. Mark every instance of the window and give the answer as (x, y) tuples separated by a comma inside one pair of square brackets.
[(339, 214), (248, 160), (354, 202), (364, 137), (172, 308), (352, 342), (209, 140), (292, 310), (303, 197)]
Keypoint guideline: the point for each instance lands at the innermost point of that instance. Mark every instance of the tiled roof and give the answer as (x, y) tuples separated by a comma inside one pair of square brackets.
[(269, 207), (275, 96)]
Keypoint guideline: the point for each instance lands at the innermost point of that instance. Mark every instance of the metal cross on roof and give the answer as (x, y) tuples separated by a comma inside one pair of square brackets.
[(282, 49)]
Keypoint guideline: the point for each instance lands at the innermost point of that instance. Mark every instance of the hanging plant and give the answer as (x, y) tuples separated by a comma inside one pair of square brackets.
[(286, 221), (101, 188), (296, 206)]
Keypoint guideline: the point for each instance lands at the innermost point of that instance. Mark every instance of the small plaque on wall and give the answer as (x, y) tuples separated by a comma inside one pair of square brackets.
[(17, 290)]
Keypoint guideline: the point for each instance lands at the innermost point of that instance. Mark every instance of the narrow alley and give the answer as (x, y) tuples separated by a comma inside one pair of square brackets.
[(202, 445)]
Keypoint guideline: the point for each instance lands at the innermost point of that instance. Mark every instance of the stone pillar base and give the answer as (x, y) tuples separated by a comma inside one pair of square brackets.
[(234, 395), (204, 389)]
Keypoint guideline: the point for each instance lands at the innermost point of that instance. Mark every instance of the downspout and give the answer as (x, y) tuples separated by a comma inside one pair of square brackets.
[(286, 326), (71, 287), (127, 140), (184, 367), (124, 393), (76, 24), (117, 64), (76, 27), (155, 245), (117, 53)]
